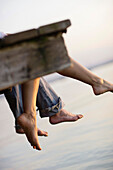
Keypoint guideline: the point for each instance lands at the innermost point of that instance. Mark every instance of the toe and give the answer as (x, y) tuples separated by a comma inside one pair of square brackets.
[(38, 147), (45, 133), (80, 116), (42, 133)]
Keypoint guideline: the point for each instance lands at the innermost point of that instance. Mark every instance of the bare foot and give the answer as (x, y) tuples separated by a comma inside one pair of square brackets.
[(64, 116), (39, 132), (102, 86), (42, 133), (28, 124)]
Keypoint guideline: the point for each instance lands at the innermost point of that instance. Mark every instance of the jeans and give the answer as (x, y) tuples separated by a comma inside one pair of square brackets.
[(48, 102)]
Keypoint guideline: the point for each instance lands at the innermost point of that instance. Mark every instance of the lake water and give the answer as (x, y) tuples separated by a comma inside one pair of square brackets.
[(83, 145)]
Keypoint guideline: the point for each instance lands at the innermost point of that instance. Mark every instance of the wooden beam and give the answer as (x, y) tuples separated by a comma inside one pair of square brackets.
[(33, 53), (35, 33), (53, 28)]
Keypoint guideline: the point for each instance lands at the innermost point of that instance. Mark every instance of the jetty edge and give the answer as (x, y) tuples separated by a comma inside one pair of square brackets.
[(33, 53)]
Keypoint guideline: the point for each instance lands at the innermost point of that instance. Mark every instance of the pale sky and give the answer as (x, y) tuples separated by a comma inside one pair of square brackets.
[(89, 38)]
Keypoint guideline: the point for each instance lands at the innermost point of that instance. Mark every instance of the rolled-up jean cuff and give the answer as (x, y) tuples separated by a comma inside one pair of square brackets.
[(50, 111)]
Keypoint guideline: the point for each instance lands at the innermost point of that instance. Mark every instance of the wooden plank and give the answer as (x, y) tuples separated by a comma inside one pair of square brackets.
[(56, 27), (30, 59), (18, 37), (35, 33)]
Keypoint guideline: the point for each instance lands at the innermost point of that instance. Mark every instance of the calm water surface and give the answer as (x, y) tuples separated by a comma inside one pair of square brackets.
[(83, 145)]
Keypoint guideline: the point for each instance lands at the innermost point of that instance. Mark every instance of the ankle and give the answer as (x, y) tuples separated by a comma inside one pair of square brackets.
[(97, 81)]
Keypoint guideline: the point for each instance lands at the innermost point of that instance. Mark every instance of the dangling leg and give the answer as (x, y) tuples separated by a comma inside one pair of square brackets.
[(28, 119), (51, 105), (77, 71), (14, 99)]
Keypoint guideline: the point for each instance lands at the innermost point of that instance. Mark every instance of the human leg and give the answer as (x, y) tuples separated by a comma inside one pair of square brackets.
[(27, 120), (79, 72), (51, 105), (48, 102), (14, 99)]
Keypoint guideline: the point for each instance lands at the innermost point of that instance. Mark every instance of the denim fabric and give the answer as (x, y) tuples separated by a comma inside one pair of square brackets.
[(14, 99), (48, 102)]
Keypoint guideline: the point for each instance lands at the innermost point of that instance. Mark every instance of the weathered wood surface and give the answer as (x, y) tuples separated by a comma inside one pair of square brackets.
[(35, 33), (33, 53)]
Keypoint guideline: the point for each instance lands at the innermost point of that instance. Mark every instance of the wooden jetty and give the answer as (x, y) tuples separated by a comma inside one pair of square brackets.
[(33, 53)]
